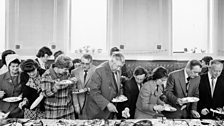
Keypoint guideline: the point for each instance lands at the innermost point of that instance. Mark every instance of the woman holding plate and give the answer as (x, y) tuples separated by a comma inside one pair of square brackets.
[(11, 88), (149, 104), (58, 103), (31, 88)]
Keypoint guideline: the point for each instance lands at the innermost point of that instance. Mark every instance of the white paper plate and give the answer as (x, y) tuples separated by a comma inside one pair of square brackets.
[(190, 99), (65, 82), (14, 124), (120, 98), (80, 91), (169, 108), (36, 102), (12, 99)]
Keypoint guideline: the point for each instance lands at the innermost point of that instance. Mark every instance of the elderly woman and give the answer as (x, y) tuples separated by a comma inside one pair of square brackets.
[(149, 104), (58, 103), (10, 86), (31, 88)]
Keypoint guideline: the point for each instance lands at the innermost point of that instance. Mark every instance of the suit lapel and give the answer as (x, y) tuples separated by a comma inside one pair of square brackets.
[(81, 76), (111, 77), (207, 84), (217, 86), (182, 82)]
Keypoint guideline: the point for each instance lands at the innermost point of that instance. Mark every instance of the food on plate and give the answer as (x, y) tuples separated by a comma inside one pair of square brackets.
[(64, 82), (96, 122), (124, 123), (12, 99), (143, 123), (168, 107), (190, 99), (79, 91), (120, 98)]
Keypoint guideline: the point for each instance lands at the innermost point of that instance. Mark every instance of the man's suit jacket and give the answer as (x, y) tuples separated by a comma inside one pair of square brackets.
[(206, 99), (79, 74), (131, 91), (103, 89), (176, 88)]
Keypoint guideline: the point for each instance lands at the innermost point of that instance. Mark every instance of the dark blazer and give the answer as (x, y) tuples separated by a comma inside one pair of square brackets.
[(176, 88), (206, 100), (103, 89), (30, 93), (131, 91)]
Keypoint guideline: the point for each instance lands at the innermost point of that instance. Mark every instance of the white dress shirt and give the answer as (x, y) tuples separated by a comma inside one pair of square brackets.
[(212, 87)]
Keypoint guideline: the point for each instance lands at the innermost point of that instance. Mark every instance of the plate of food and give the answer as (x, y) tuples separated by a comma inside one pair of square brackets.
[(169, 108), (143, 123), (120, 98), (80, 91), (96, 122), (12, 99), (64, 82), (14, 124), (190, 99)]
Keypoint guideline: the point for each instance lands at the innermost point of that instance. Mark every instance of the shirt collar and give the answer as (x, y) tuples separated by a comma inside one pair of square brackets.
[(185, 75), (42, 64)]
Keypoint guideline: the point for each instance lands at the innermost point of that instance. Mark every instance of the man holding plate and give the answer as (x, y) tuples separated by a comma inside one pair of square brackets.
[(181, 84), (83, 75), (104, 86), (211, 90)]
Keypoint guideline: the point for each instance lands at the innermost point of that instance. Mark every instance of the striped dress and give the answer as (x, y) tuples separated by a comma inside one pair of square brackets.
[(58, 105)]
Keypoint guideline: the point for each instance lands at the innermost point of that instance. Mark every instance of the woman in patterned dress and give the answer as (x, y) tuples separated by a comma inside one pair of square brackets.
[(31, 88)]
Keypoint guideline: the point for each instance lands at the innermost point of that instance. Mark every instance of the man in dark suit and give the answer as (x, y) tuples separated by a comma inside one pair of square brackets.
[(211, 90), (183, 83), (131, 90), (104, 86)]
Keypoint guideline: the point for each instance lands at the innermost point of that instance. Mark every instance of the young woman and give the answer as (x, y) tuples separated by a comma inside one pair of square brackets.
[(31, 88), (149, 104)]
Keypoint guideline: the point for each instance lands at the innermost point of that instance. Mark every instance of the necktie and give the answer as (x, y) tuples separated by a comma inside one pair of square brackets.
[(187, 84), (85, 75), (213, 79), (116, 80), (212, 86)]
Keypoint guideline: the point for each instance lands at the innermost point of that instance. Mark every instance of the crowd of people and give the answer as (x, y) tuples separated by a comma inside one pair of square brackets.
[(89, 89)]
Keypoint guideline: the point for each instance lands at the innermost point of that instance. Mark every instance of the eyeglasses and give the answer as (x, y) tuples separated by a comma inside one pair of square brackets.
[(85, 63)]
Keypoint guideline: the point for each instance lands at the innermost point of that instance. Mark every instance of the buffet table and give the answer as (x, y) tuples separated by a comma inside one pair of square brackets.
[(97, 122)]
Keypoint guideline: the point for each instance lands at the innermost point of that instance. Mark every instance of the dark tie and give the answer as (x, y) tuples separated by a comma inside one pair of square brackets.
[(187, 84), (85, 75)]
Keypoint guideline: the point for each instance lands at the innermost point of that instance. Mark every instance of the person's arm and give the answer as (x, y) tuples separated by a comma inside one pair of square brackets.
[(95, 90), (169, 92)]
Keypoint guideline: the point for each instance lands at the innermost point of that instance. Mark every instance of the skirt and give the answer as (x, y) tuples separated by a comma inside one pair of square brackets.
[(34, 114)]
